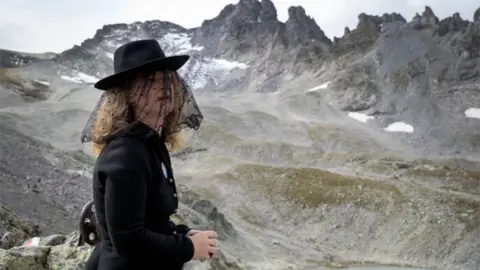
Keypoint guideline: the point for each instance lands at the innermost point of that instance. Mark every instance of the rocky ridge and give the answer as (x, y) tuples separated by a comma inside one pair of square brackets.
[(9, 59)]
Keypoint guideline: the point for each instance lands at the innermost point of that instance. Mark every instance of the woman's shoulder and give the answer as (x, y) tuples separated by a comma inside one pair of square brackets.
[(123, 150)]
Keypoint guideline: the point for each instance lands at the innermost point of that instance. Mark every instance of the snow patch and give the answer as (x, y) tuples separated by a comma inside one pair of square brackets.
[(17, 61), (42, 82), (320, 87), (112, 45), (360, 116), (400, 127), (109, 55), (208, 70), (80, 77), (32, 242), (226, 64), (473, 113), (178, 43), (116, 33)]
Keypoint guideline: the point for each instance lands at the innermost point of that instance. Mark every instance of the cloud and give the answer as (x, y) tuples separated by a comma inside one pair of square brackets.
[(56, 25)]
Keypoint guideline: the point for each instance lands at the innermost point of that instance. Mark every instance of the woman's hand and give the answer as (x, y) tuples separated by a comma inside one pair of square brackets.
[(204, 244), (192, 232), (210, 233)]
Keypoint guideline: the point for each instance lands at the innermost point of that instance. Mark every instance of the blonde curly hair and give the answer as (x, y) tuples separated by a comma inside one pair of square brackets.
[(115, 113)]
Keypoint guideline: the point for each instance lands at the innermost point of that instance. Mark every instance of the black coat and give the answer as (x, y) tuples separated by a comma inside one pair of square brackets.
[(134, 196)]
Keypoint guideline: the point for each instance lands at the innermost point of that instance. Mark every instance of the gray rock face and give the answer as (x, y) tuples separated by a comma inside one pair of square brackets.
[(404, 71), (214, 219), (35, 180), (452, 24), (10, 59), (368, 30), (469, 43), (393, 17), (252, 27)]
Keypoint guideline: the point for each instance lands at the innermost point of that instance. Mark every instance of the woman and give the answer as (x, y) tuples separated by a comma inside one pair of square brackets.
[(135, 124)]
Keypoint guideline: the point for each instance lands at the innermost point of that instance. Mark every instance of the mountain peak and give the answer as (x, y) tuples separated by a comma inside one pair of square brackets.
[(302, 27), (428, 17), (454, 23), (252, 26), (426, 20), (268, 11), (366, 33), (297, 12), (248, 11)]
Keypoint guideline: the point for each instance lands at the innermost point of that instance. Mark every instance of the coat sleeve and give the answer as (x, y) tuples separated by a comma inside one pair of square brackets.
[(127, 170), (183, 229)]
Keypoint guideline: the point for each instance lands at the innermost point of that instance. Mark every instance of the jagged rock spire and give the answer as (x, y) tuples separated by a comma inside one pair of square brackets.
[(253, 25), (248, 11), (268, 13), (428, 18), (454, 23), (300, 26), (476, 15)]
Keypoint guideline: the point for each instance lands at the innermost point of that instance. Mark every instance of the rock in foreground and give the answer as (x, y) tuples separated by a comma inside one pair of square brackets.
[(52, 252), (60, 252)]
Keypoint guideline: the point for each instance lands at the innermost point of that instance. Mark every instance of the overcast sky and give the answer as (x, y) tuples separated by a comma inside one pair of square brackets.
[(56, 25)]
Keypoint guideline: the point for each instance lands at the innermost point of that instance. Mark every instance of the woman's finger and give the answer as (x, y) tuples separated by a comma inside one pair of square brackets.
[(212, 242), (212, 251), (211, 234)]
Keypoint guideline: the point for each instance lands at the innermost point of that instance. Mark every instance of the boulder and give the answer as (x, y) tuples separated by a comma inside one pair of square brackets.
[(21, 248), (13, 230), (59, 252)]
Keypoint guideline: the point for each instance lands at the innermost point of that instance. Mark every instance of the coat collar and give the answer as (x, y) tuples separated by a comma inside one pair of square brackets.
[(139, 130)]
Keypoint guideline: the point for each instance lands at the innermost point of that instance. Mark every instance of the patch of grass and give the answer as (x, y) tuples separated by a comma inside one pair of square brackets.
[(314, 187), (10, 77), (29, 90), (319, 132), (331, 137), (474, 176), (461, 180), (336, 157), (435, 171), (175, 218)]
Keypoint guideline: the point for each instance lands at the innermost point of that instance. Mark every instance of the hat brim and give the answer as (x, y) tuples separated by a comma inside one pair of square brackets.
[(173, 63)]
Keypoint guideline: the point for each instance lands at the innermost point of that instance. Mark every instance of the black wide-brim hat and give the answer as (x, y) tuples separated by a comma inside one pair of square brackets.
[(137, 56)]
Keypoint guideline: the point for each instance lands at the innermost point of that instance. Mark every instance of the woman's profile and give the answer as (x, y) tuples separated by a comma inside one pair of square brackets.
[(137, 121)]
